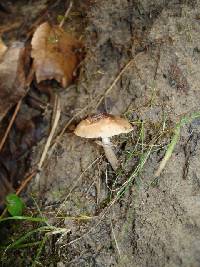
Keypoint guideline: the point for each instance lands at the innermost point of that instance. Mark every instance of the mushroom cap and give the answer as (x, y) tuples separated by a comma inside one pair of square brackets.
[(102, 125)]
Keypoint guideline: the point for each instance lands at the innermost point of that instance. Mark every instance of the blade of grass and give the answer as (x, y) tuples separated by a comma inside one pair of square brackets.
[(28, 234), (144, 157), (31, 244), (25, 237), (39, 251), (174, 141), (26, 218), (142, 135), (39, 210)]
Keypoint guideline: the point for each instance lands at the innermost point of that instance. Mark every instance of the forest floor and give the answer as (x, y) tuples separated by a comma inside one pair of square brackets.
[(142, 61)]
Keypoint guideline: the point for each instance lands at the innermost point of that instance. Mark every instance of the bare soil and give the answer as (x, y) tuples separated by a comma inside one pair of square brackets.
[(152, 224)]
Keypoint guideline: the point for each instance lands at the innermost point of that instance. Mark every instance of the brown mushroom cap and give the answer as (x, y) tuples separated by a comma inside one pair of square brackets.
[(102, 125)]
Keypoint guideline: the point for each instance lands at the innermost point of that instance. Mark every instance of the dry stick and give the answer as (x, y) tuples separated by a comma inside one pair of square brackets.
[(3, 213), (115, 239), (96, 225), (75, 184), (115, 81), (53, 129), (66, 14), (25, 182), (10, 124)]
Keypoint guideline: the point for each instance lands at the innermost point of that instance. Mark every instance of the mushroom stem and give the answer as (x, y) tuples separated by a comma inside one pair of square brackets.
[(110, 154)]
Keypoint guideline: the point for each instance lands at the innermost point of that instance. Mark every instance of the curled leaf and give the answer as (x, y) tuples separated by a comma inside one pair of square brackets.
[(55, 53)]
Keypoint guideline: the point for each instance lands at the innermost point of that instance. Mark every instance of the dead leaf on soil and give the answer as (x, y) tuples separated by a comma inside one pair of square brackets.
[(55, 54), (12, 77)]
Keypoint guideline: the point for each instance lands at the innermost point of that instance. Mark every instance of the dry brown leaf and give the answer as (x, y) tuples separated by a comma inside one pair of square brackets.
[(12, 78), (55, 54), (3, 48)]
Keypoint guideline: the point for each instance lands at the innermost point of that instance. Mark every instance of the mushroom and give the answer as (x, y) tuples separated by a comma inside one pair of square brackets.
[(104, 126)]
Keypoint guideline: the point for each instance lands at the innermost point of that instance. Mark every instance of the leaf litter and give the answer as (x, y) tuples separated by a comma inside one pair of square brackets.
[(25, 115)]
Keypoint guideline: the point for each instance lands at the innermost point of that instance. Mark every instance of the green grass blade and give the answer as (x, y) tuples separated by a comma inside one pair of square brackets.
[(174, 141), (26, 218), (39, 251), (27, 235)]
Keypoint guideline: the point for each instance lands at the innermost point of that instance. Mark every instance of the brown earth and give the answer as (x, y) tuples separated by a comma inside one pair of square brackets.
[(152, 224)]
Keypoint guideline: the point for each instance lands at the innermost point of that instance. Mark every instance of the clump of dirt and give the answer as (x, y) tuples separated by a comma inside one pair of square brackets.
[(153, 223)]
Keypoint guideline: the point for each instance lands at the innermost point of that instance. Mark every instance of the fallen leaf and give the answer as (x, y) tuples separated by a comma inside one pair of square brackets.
[(12, 78), (55, 53)]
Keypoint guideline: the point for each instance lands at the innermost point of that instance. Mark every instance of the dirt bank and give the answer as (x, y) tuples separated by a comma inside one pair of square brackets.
[(152, 224)]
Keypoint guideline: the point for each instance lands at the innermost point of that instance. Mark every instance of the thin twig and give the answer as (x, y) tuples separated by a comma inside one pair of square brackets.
[(75, 184), (103, 214), (54, 126), (66, 14), (67, 125), (115, 239), (115, 81), (10, 124), (25, 182)]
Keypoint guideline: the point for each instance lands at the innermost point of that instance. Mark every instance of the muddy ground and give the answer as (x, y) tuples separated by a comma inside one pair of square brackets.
[(152, 224)]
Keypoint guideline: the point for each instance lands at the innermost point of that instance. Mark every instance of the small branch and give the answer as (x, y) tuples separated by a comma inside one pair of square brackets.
[(25, 182), (55, 123), (66, 14), (115, 81), (10, 124), (115, 239)]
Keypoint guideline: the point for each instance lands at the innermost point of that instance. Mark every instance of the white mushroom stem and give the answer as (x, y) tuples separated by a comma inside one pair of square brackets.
[(110, 154)]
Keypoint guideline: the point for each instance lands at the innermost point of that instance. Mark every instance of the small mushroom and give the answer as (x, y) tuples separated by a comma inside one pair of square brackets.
[(104, 126)]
